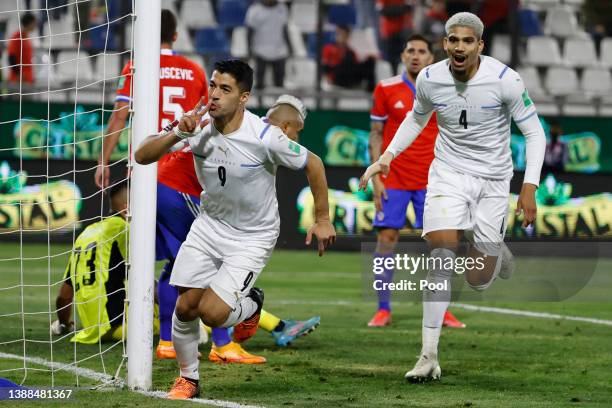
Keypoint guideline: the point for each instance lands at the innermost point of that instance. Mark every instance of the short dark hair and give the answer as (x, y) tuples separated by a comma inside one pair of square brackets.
[(117, 187), (240, 70), (168, 26), (345, 27), (27, 19), (419, 37)]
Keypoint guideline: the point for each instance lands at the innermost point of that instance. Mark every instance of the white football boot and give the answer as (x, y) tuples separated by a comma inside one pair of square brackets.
[(426, 369)]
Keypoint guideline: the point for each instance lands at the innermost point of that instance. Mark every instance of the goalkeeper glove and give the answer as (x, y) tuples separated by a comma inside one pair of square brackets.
[(58, 328)]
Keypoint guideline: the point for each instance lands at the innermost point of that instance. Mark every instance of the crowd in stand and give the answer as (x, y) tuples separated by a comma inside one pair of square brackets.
[(268, 38)]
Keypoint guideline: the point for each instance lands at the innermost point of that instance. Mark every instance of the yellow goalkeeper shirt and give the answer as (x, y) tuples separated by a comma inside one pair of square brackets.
[(96, 272)]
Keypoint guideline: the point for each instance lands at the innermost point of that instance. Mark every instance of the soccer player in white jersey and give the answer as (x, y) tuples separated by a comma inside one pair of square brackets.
[(236, 155), (474, 97)]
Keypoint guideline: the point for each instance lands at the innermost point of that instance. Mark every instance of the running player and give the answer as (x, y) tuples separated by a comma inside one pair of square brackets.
[(474, 97), (182, 84), (236, 155), (407, 179)]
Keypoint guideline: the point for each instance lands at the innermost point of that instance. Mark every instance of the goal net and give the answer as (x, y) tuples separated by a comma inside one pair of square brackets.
[(60, 67)]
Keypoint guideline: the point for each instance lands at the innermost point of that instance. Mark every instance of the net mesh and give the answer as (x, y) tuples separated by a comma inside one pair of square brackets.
[(57, 93)]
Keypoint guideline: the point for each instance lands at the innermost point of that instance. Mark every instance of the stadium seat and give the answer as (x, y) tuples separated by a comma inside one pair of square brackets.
[(212, 41), (108, 66), (328, 38), (170, 5), (297, 41), (543, 51), (539, 5), (72, 65), (606, 52), (5, 11), (231, 13), (342, 15), (198, 59), (4, 63), (44, 71), (579, 52), (183, 40), (383, 70), (364, 43), (239, 47), (561, 81), (197, 14), (62, 34), (596, 82), (529, 23), (300, 73), (303, 14), (501, 48), (354, 103), (532, 81), (561, 22)]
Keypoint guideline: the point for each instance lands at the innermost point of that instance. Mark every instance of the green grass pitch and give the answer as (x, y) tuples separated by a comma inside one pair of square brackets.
[(498, 361)]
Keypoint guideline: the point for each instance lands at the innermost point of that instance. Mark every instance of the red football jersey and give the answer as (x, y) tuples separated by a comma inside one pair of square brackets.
[(20, 47), (393, 99), (182, 83)]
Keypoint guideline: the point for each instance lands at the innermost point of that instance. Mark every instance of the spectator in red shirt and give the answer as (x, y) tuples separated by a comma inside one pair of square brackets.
[(395, 26), (435, 18), (20, 51), (341, 66)]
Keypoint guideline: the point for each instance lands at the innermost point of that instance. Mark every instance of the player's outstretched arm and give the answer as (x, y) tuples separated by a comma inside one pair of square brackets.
[(63, 303), (155, 146), (410, 128), (322, 229), (116, 124)]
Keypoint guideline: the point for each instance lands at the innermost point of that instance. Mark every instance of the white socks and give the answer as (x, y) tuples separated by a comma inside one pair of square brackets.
[(436, 302), (185, 337), (244, 310)]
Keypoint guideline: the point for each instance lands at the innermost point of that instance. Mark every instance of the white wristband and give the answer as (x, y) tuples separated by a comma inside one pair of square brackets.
[(180, 134)]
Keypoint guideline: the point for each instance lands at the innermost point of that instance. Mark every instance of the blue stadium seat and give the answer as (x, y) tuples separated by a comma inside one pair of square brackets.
[(529, 22), (344, 14), (328, 37), (212, 41), (231, 13)]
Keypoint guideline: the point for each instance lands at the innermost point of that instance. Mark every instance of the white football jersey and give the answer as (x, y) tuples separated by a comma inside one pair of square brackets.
[(474, 116), (237, 173)]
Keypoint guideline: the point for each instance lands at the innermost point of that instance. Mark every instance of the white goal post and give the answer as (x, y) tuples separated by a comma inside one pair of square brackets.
[(145, 88)]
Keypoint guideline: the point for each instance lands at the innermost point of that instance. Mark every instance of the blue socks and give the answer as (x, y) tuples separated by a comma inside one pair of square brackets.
[(220, 336), (166, 296), (384, 296)]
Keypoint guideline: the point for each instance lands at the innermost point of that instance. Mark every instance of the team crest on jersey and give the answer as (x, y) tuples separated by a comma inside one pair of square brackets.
[(399, 105), (526, 99), (294, 147), (121, 82)]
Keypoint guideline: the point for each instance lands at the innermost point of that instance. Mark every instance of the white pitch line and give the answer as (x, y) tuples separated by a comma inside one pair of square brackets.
[(528, 313), (105, 378), (487, 309)]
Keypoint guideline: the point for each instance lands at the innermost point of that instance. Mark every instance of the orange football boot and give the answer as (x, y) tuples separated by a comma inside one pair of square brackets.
[(183, 389), (233, 353), (165, 350), (247, 328), (381, 318), (451, 321)]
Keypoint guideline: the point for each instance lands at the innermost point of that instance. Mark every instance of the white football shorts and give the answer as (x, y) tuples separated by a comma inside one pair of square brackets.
[(226, 261), (458, 201)]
